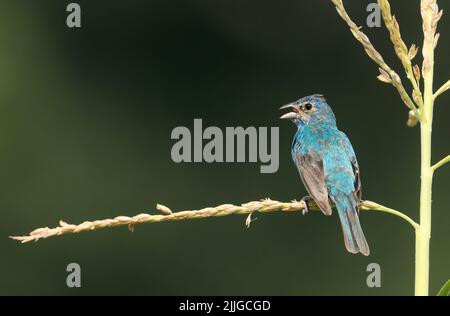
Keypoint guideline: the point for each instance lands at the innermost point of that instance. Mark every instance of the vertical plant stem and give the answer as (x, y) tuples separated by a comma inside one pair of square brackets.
[(423, 233)]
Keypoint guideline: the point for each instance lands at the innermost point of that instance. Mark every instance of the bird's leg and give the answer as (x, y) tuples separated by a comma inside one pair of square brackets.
[(305, 200)]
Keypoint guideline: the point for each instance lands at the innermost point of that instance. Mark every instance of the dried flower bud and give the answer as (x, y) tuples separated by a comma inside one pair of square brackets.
[(39, 231), (417, 97), (384, 79), (249, 220), (396, 78), (436, 39), (164, 209), (396, 26), (412, 119), (384, 76), (413, 51), (123, 218), (438, 16), (416, 70)]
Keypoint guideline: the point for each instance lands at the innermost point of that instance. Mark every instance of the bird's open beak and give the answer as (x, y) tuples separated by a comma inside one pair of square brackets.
[(290, 115)]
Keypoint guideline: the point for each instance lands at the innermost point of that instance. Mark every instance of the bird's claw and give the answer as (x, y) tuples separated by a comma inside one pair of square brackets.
[(304, 201)]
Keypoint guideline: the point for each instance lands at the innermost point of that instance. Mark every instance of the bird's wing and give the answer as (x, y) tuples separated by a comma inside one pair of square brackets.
[(311, 171), (351, 155)]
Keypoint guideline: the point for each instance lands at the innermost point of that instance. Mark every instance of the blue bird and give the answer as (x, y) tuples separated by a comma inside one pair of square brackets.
[(327, 165)]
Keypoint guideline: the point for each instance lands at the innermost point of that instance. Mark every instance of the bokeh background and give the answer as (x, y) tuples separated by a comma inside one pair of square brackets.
[(85, 123)]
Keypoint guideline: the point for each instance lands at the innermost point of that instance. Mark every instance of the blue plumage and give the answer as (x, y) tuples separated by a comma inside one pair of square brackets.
[(327, 165)]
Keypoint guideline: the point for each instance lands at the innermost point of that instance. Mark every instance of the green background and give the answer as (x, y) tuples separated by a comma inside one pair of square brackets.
[(85, 124)]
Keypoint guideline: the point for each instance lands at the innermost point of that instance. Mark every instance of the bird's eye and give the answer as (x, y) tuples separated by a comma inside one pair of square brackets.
[(308, 106)]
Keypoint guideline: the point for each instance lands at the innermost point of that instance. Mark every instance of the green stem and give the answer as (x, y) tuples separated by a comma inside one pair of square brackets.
[(424, 231), (389, 210), (442, 89), (441, 163), (423, 234)]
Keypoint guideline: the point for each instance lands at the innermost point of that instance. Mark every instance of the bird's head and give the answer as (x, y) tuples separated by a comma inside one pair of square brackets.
[(312, 109)]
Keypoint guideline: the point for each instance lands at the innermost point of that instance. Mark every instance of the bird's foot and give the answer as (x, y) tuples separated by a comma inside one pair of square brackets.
[(305, 200)]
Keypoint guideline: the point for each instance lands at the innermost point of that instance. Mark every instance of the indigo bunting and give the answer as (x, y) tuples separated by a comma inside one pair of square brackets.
[(327, 165)]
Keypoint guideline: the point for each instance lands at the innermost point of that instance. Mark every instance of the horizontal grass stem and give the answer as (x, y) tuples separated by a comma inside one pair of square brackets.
[(262, 206)]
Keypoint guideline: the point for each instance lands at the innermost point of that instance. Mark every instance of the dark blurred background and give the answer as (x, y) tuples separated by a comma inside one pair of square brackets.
[(85, 123)]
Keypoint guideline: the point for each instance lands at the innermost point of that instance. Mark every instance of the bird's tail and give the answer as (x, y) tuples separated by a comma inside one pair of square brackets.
[(354, 238)]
